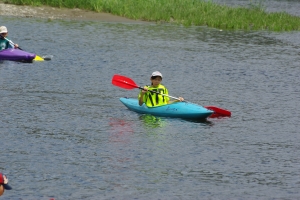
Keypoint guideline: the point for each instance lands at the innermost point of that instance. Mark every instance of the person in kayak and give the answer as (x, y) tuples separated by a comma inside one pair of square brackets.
[(4, 41), (152, 99), (3, 184)]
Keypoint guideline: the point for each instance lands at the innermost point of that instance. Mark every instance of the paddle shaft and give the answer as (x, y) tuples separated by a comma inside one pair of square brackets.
[(11, 43), (128, 83), (162, 94), (152, 91)]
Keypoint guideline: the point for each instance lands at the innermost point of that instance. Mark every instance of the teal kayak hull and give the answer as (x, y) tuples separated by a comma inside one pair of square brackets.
[(184, 110)]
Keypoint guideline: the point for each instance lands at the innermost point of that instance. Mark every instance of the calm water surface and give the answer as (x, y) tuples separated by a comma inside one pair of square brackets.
[(64, 134), (290, 6)]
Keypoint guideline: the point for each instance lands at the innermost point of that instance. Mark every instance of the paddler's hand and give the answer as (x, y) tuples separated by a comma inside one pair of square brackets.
[(177, 100), (144, 90), (5, 179), (16, 46)]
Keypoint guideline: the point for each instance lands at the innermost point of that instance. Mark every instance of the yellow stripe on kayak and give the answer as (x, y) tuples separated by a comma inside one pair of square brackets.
[(38, 58)]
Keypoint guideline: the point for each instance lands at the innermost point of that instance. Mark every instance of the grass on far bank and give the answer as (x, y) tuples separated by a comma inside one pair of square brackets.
[(186, 12)]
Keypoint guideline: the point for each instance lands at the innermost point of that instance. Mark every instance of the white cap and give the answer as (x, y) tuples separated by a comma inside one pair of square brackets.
[(3, 29), (156, 73)]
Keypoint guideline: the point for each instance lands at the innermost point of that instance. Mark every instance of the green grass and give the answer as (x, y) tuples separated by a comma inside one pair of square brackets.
[(186, 12)]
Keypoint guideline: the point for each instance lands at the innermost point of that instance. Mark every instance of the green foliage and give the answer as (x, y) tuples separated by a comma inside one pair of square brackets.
[(186, 12)]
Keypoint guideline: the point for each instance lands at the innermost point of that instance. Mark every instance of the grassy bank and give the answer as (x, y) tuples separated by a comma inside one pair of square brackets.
[(186, 12)]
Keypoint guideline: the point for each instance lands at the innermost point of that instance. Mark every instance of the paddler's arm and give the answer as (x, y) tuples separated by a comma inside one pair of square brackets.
[(141, 99), (15, 46), (180, 99), (9, 41)]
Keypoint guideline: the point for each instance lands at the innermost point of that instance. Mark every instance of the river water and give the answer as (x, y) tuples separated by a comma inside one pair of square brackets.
[(289, 6), (64, 134)]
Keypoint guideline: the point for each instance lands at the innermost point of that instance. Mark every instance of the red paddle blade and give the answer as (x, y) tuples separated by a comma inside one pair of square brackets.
[(218, 112), (123, 82)]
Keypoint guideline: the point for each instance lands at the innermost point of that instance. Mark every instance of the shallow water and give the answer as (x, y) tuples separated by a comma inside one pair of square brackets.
[(65, 135)]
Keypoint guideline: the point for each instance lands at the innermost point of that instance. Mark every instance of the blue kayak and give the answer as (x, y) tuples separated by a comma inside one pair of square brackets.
[(184, 110), (16, 55)]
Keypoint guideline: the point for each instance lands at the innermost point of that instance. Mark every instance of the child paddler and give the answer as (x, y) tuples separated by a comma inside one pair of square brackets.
[(4, 42), (152, 99)]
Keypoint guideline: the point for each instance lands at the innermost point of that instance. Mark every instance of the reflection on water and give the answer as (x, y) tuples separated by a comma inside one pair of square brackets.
[(205, 122), (120, 130), (151, 121)]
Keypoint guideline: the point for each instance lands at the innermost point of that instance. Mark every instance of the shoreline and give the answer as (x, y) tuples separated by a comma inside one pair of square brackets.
[(52, 13), (198, 13)]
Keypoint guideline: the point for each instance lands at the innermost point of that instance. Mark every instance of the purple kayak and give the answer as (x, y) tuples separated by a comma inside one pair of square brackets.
[(16, 55)]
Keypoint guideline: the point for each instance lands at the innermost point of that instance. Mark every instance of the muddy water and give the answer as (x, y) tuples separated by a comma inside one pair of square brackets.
[(65, 135)]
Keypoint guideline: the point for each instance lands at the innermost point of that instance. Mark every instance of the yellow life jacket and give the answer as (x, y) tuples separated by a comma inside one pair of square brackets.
[(152, 99)]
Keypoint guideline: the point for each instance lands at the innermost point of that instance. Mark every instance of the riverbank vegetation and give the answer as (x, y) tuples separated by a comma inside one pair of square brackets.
[(186, 12)]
